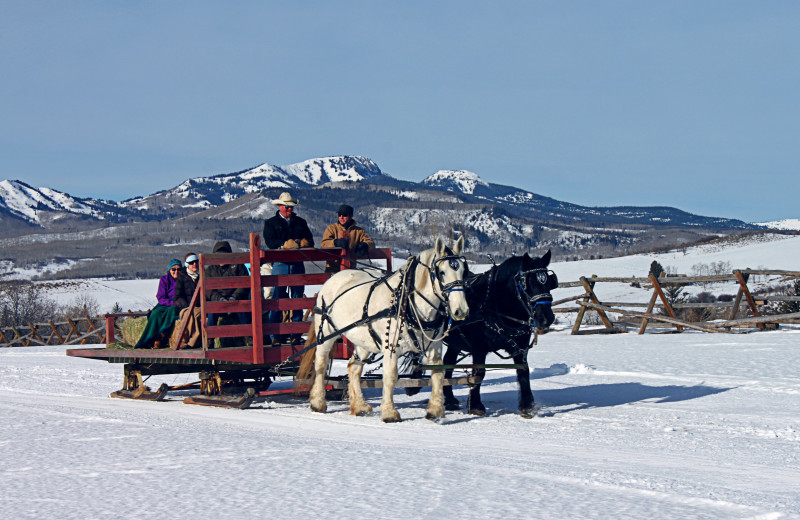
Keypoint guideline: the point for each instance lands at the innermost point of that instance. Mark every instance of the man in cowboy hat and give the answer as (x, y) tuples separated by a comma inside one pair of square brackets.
[(287, 231), (346, 234)]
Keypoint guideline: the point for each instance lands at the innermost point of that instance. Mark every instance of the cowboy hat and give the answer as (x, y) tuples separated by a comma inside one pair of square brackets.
[(285, 200)]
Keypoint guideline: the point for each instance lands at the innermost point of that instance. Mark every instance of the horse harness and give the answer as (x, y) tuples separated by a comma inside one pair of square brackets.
[(508, 327), (400, 305)]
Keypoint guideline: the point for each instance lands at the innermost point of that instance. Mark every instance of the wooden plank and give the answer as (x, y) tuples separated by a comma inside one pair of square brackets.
[(579, 319), (288, 304), (593, 298), (777, 318), (72, 329), (667, 307), (749, 297), (285, 280), (650, 307), (184, 323), (675, 321), (226, 258), (34, 334), (795, 274), (55, 333), (96, 329), (570, 299), (228, 282), (225, 307)]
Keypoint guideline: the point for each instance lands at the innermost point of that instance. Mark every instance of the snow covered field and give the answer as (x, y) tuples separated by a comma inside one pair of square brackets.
[(684, 425), (663, 426)]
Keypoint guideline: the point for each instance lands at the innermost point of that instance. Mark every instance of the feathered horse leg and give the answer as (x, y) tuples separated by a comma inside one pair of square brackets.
[(389, 413), (436, 402), (317, 397), (358, 406)]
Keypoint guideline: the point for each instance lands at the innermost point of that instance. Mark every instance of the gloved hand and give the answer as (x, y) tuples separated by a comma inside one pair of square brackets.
[(362, 248), (341, 242), (291, 244), (305, 243)]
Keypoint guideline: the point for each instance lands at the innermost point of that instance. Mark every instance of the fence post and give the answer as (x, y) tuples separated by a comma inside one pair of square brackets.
[(743, 290), (650, 307), (667, 306)]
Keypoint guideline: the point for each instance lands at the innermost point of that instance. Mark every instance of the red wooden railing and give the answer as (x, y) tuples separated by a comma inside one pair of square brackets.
[(258, 306)]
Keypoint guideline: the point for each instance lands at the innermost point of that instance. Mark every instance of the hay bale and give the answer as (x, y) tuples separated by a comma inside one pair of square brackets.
[(132, 329)]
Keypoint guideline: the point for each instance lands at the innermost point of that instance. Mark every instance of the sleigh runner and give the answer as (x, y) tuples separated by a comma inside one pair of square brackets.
[(235, 376)]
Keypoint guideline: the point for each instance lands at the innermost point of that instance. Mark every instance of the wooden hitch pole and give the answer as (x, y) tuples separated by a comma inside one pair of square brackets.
[(650, 307), (589, 287), (743, 290), (667, 306)]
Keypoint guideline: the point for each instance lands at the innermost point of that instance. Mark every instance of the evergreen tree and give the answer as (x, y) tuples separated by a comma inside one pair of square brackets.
[(656, 268)]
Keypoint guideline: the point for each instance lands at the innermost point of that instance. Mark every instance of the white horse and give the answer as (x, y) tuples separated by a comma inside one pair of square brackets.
[(408, 310)]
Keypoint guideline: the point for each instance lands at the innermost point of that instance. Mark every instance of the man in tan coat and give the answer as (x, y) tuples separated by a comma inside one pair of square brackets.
[(346, 234)]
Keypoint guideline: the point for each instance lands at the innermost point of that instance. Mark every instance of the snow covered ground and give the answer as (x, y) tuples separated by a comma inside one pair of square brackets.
[(663, 426), (687, 425)]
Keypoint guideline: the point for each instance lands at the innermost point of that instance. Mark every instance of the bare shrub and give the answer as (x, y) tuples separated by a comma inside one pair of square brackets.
[(82, 305), (24, 303)]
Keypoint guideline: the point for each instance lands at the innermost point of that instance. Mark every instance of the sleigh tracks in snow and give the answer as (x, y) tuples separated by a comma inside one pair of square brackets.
[(236, 363)]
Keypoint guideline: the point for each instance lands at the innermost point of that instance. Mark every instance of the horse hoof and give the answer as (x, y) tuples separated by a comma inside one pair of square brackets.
[(478, 412), (529, 413), (392, 419), (362, 413), (434, 417), (412, 390), (318, 409), (452, 406)]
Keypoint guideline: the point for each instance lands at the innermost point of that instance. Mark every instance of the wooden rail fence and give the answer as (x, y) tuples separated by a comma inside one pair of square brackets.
[(80, 331), (589, 301), (72, 331)]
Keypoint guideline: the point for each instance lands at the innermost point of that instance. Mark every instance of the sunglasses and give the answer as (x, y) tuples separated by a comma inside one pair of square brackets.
[(172, 269), (192, 262)]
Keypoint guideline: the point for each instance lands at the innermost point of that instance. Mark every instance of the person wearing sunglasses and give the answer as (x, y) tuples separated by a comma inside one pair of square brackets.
[(161, 317), (186, 282), (185, 285)]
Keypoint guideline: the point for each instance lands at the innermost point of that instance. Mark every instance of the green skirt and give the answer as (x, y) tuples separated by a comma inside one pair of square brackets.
[(160, 320)]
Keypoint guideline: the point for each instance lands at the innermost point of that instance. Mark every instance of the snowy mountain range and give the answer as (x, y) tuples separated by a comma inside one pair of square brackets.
[(43, 206), (207, 192), (37, 222)]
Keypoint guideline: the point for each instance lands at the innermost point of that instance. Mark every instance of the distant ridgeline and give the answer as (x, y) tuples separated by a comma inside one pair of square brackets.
[(58, 235)]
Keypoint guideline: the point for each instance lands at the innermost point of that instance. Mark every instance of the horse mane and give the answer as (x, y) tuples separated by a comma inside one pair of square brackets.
[(421, 277)]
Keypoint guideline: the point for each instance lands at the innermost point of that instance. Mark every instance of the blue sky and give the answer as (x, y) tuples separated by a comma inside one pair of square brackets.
[(685, 104)]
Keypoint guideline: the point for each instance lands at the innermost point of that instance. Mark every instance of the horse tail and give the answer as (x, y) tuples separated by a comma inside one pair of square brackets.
[(304, 371)]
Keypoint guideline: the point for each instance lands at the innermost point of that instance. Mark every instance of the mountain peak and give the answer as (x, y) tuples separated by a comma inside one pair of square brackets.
[(27, 202), (333, 169), (456, 180)]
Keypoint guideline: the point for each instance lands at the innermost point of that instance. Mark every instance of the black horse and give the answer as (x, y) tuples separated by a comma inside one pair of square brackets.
[(507, 304)]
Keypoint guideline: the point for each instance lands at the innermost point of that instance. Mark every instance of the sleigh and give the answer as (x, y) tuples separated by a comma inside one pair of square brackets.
[(237, 363)]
